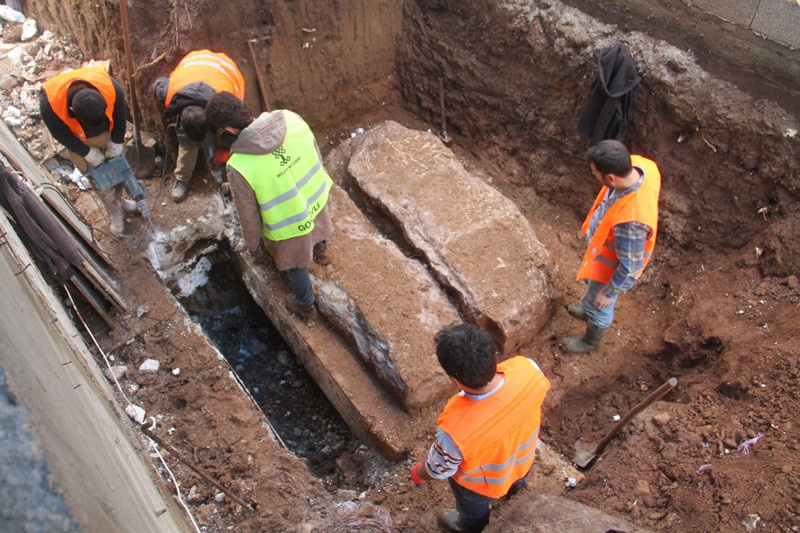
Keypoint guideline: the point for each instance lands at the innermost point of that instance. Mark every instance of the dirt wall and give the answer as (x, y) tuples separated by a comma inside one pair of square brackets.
[(314, 57), (727, 50), (715, 144), (517, 96), (96, 460)]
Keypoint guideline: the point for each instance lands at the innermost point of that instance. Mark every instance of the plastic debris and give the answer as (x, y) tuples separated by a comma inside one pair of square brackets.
[(12, 116), (744, 448), (79, 179), (750, 522), (615, 418), (571, 483), (703, 468)]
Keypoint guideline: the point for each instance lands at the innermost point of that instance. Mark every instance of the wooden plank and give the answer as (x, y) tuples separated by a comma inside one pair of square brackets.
[(103, 284), (92, 297)]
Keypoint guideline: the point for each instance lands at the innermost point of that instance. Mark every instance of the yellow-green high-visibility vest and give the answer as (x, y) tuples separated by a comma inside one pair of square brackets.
[(290, 183)]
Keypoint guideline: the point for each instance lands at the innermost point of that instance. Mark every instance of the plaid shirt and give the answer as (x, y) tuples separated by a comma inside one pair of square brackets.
[(629, 241)]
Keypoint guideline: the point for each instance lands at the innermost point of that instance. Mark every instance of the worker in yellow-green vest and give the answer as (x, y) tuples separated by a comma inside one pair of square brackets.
[(279, 186)]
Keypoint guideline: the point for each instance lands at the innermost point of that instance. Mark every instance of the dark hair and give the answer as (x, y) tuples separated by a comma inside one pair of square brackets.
[(224, 109), (467, 353), (89, 107), (610, 157), (193, 120)]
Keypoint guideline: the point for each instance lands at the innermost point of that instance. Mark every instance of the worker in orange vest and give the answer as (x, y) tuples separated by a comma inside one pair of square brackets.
[(184, 94), (620, 231), (84, 109), (487, 433)]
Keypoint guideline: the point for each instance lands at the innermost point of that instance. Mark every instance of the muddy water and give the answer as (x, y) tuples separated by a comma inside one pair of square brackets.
[(296, 408)]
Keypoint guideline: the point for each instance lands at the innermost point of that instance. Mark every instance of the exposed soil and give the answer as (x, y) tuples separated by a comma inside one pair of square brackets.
[(718, 307)]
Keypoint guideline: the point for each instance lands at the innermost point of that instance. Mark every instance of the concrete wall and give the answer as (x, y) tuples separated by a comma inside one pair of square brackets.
[(107, 484)]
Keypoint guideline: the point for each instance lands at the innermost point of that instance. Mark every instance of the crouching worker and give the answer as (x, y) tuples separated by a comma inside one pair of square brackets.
[(84, 109), (487, 433), (184, 94), (279, 186)]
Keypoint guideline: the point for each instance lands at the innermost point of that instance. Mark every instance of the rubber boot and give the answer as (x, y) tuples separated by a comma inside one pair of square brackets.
[(449, 520), (590, 341), (111, 198), (129, 206), (576, 310)]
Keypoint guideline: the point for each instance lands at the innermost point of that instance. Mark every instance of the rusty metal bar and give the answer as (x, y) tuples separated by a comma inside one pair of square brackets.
[(197, 470)]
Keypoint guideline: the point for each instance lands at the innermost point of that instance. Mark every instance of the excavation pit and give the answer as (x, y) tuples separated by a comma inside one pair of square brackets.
[(716, 306), (298, 411)]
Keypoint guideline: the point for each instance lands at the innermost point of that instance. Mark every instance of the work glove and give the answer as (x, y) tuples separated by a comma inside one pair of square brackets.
[(415, 477), (221, 156), (94, 157), (113, 149)]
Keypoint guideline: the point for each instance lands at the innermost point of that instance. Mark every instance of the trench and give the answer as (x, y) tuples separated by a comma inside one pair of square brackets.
[(495, 119), (291, 401)]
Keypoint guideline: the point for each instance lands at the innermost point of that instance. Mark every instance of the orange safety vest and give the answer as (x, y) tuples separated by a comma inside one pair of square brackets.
[(497, 436), (57, 89), (214, 68), (600, 260)]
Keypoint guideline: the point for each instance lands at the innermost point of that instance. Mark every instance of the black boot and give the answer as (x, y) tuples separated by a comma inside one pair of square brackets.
[(590, 341)]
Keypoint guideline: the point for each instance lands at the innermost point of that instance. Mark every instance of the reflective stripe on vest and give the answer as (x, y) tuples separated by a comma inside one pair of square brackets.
[(290, 183), (497, 436), (600, 260), (214, 68), (57, 91)]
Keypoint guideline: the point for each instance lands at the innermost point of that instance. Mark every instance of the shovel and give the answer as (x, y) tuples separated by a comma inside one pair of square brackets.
[(585, 459)]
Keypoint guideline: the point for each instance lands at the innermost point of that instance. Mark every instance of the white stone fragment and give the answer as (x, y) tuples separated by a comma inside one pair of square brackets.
[(29, 30), (11, 15), (220, 497), (150, 366), (18, 56), (116, 372), (176, 371), (136, 413)]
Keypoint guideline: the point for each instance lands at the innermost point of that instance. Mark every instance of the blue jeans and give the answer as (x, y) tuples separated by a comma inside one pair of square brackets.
[(300, 282), (601, 318), (473, 508)]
